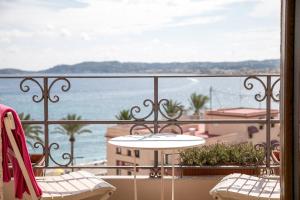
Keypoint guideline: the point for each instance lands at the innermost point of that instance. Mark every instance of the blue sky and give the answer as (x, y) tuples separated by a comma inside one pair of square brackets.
[(38, 34)]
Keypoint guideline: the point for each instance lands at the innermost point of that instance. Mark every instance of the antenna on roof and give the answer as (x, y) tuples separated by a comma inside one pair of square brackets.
[(210, 97)]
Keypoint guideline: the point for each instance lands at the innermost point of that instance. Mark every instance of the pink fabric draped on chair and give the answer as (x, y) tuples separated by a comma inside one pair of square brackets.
[(20, 184)]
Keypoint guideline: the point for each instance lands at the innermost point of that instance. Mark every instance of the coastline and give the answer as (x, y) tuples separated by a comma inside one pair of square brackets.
[(96, 171)]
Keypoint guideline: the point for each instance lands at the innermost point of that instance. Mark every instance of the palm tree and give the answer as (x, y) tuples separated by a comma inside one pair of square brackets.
[(124, 115), (197, 102), (71, 130), (32, 132), (172, 107)]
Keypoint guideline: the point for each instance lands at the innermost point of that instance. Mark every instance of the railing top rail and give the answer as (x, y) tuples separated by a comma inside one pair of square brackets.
[(137, 76), (213, 121), (151, 167)]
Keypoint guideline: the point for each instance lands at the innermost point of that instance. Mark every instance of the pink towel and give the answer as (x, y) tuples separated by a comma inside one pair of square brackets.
[(20, 184)]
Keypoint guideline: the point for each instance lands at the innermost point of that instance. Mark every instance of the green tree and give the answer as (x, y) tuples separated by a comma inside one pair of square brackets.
[(197, 102), (32, 132), (72, 130), (124, 115), (172, 107)]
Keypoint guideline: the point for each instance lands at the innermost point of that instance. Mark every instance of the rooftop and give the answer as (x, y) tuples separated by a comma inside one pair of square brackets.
[(242, 112)]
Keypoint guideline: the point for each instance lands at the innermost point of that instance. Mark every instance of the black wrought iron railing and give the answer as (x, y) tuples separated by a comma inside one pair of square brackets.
[(155, 121)]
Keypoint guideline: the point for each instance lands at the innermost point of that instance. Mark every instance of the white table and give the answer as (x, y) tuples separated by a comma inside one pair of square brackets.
[(159, 141)]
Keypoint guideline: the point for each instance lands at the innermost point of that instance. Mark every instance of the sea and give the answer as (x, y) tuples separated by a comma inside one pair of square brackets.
[(103, 98)]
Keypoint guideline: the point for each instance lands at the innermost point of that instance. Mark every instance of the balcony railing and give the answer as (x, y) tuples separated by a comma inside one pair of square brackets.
[(154, 121)]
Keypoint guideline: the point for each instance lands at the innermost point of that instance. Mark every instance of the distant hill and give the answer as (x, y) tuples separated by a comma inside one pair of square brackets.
[(251, 66), (13, 71)]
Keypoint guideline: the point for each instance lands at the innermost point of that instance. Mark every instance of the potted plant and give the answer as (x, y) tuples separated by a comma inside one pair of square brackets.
[(173, 108), (124, 115), (197, 102), (225, 158)]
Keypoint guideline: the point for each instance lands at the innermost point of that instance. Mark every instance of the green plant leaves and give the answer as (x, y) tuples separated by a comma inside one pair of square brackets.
[(197, 102), (223, 154), (124, 115)]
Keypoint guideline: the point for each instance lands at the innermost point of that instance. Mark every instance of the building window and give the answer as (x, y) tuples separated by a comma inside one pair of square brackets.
[(167, 158), (137, 153), (118, 150), (128, 152), (129, 173), (137, 169), (261, 127), (272, 124), (118, 171)]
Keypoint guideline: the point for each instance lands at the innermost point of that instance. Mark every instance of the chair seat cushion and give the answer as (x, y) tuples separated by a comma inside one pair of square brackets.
[(245, 187), (75, 185)]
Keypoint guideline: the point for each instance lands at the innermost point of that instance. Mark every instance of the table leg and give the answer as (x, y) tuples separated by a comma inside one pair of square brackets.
[(134, 179), (173, 175), (162, 193)]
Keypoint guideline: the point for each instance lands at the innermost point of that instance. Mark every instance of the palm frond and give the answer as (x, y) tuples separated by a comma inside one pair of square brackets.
[(32, 132), (71, 129), (197, 102), (59, 130), (124, 115), (172, 107), (84, 131)]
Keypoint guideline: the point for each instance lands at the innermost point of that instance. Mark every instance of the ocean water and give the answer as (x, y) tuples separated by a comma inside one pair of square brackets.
[(103, 98)]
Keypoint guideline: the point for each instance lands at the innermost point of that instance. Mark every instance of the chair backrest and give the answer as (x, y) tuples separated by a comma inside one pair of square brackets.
[(9, 124), (276, 156)]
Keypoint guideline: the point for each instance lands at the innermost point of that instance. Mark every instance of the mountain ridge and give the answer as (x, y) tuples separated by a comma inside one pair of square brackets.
[(247, 66)]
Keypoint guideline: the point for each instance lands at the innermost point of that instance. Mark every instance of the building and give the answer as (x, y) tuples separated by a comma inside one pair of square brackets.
[(117, 156), (213, 133), (255, 133), (123, 157)]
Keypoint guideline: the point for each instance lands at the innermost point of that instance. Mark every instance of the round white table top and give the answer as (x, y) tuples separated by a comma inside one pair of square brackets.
[(157, 141)]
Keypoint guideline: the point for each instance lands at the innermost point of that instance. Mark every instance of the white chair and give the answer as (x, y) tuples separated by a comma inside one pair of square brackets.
[(245, 187), (73, 186)]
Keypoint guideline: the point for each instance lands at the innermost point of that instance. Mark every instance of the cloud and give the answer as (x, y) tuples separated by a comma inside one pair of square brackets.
[(112, 17), (6, 40), (266, 8), (255, 43), (15, 33), (85, 36), (53, 4), (50, 27), (139, 30), (197, 21), (13, 50), (65, 32), (39, 19)]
